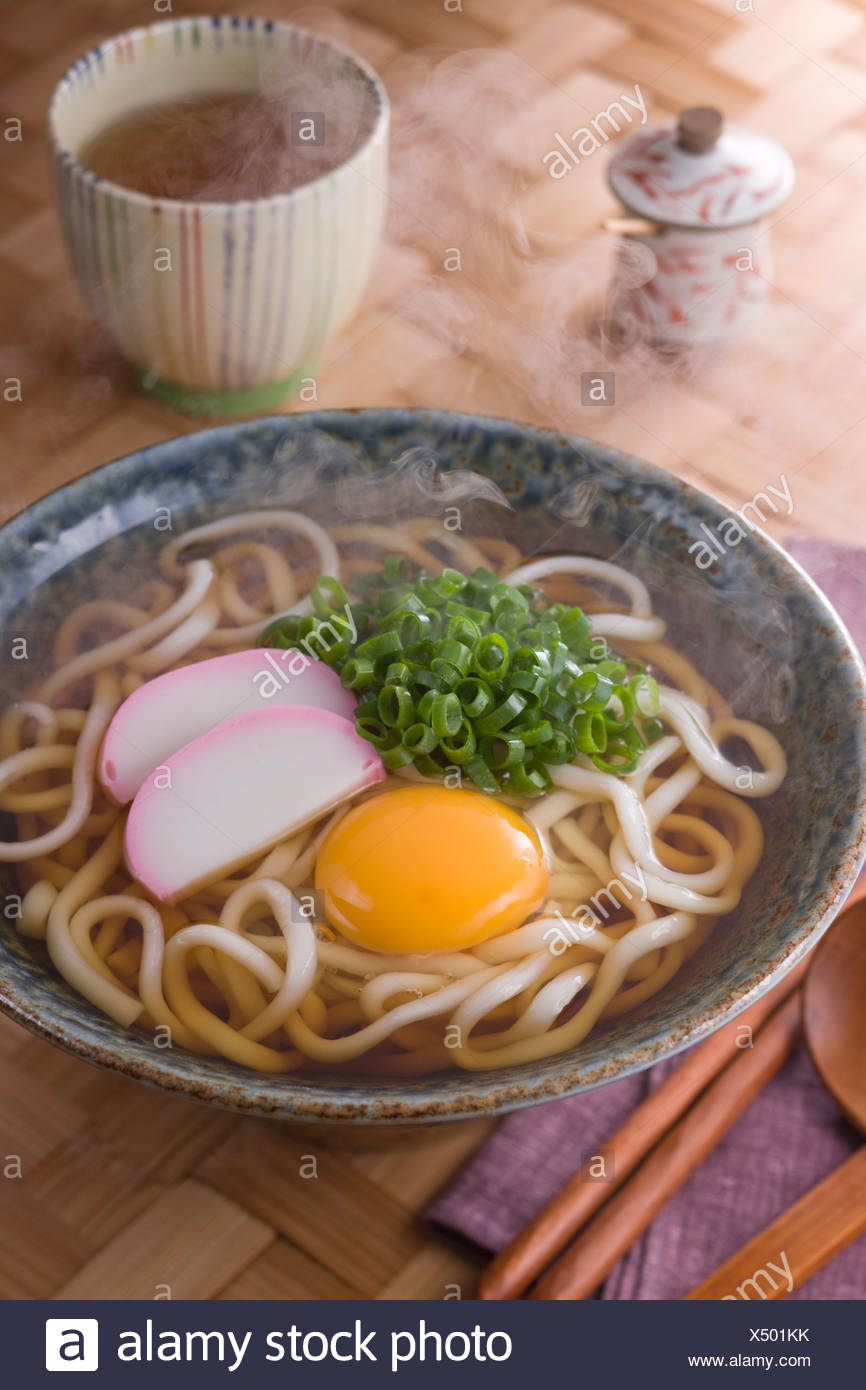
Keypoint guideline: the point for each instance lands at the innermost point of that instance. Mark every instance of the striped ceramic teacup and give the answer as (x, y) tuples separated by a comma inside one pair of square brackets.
[(220, 307)]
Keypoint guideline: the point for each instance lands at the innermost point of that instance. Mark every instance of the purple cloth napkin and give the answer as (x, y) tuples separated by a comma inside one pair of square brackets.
[(788, 1138)]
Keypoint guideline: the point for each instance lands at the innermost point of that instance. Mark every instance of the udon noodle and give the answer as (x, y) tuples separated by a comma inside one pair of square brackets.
[(641, 866)]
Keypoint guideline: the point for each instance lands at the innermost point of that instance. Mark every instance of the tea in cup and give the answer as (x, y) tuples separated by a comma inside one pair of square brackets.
[(221, 185)]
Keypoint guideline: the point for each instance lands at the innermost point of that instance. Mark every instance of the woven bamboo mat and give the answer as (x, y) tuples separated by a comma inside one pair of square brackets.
[(114, 1191)]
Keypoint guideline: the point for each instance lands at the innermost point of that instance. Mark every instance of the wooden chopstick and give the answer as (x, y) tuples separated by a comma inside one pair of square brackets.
[(523, 1259), (628, 1213), (808, 1234)]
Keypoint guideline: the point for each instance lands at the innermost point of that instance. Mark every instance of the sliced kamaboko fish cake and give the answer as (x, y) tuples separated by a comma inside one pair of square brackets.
[(239, 789), (171, 710)]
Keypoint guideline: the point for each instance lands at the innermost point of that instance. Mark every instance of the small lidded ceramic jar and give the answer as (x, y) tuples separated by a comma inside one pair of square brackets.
[(697, 193)]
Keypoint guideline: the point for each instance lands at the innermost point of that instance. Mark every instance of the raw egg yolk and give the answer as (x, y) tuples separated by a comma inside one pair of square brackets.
[(430, 869)]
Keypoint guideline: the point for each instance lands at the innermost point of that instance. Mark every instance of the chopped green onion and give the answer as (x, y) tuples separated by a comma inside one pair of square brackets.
[(561, 746), (451, 653), (327, 596), (623, 696), (529, 781), (398, 673), (645, 691), (395, 756), (590, 733), (618, 769), (481, 775), (411, 626), (503, 714), (427, 766), (463, 629), (459, 747), (373, 730), (471, 671), (427, 680), (490, 658), (446, 715), (533, 734), (536, 686), (396, 706), (480, 616), (420, 738), (383, 644), (420, 653), (357, 672), (503, 751)]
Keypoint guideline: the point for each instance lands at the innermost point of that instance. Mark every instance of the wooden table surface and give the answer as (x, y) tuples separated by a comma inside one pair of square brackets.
[(111, 1190)]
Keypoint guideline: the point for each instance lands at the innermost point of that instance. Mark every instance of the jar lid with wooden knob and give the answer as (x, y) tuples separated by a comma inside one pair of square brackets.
[(701, 172)]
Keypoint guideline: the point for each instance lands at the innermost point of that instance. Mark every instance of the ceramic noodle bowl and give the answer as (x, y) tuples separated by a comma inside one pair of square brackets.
[(701, 193), (751, 622)]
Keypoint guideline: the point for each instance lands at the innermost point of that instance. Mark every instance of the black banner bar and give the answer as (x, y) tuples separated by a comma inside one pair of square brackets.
[(416, 1345)]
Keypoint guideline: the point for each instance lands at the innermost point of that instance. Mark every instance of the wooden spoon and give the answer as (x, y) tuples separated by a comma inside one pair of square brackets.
[(832, 1214)]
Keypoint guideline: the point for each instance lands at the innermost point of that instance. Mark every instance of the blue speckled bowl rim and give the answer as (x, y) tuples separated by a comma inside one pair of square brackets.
[(427, 1099)]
